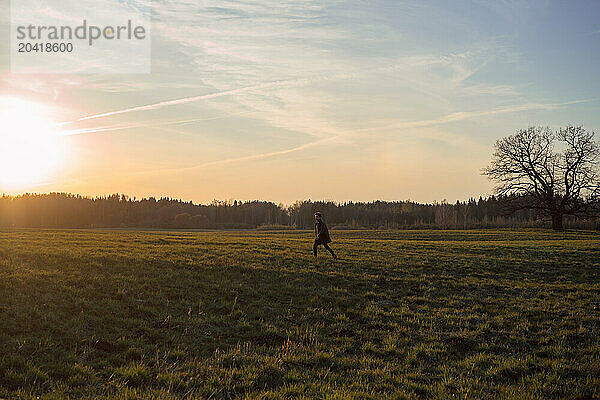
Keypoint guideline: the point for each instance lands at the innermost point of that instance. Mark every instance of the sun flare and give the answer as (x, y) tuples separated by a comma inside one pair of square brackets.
[(29, 144)]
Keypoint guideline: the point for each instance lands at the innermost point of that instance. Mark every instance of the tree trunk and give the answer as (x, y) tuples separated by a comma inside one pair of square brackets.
[(557, 222)]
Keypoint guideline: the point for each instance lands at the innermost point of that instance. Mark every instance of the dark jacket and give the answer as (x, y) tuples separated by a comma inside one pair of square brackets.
[(322, 232)]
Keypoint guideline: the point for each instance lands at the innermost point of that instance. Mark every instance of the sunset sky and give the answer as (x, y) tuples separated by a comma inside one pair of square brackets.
[(290, 100)]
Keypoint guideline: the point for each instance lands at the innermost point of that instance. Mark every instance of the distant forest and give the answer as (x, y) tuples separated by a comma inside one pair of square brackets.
[(61, 210)]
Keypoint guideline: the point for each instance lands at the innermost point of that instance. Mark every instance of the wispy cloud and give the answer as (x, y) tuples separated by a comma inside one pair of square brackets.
[(464, 115), (118, 127), (183, 100), (250, 157)]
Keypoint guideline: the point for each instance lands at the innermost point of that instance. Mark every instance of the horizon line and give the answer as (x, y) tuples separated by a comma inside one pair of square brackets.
[(158, 198)]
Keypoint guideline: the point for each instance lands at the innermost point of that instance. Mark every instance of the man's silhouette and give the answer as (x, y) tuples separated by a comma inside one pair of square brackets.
[(322, 235)]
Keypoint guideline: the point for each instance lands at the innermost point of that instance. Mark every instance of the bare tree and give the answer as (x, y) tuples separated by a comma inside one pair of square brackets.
[(554, 172)]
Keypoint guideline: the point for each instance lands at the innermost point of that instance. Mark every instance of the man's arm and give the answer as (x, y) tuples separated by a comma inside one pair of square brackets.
[(319, 228)]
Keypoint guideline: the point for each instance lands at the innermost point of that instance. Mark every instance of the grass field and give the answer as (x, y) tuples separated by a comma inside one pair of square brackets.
[(220, 315)]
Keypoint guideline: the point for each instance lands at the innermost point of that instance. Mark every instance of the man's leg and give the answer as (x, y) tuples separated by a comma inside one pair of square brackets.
[(315, 245), (330, 250)]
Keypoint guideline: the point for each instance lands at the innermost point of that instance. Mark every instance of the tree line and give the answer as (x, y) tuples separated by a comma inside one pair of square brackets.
[(63, 210)]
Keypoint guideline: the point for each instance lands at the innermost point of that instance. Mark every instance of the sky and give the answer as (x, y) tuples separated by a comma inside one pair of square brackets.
[(325, 100)]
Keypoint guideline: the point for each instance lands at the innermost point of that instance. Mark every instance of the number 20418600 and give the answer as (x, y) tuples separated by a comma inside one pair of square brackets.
[(45, 47)]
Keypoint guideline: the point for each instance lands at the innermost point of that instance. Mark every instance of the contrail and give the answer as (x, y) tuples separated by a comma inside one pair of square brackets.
[(183, 100), (463, 115), (218, 162), (214, 95), (251, 157), (109, 128)]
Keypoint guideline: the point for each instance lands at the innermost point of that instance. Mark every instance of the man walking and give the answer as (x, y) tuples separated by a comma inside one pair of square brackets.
[(322, 236)]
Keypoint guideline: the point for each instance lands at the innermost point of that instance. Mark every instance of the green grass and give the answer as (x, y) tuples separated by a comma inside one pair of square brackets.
[(404, 314)]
